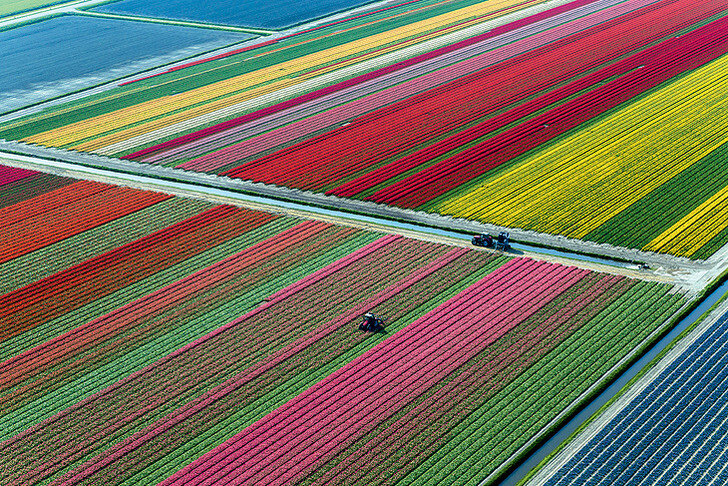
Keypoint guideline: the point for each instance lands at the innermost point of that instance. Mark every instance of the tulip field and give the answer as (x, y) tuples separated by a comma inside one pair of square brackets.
[(61, 63), (258, 13), (671, 430), (152, 339), (582, 118), (195, 233)]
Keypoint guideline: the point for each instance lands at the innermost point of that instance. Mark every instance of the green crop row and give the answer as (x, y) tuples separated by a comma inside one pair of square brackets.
[(303, 380), (494, 432)]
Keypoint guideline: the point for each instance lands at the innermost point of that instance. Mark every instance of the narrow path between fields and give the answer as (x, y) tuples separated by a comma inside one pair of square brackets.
[(180, 23), (690, 275), (227, 191)]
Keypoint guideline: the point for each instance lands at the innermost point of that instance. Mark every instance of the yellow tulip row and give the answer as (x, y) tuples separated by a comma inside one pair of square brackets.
[(256, 82), (589, 177), (228, 100), (688, 235)]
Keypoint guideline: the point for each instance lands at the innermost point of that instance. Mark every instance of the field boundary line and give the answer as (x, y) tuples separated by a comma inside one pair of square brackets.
[(179, 23), (330, 215), (690, 275)]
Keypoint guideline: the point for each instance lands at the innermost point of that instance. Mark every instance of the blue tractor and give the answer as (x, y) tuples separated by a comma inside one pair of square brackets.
[(371, 323), (503, 242)]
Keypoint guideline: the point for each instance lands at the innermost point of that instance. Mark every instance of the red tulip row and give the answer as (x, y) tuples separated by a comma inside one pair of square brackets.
[(54, 200), (71, 219), (418, 119), (657, 65), (221, 127), (39, 302), (226, 148), (676, 54)]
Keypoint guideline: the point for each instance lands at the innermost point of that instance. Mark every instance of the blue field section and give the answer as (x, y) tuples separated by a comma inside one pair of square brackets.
[(270, 14), (67, 53), (674, 432)]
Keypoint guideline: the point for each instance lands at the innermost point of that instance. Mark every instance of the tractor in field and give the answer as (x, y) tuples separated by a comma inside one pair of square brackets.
[(484, 240), (371, 323), (503, 242)]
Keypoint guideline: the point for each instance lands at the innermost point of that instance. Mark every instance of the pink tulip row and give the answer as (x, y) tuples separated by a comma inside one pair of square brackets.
[(198, 406), (12, 174), (500, 45), (424, 426), (422, 353), (196, 369)]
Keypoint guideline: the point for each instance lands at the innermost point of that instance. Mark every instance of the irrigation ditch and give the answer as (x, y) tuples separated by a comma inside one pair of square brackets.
[(703, 282)]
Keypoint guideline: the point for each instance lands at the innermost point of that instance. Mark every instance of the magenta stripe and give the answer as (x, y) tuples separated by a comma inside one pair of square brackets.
[(288, 133), (407, 351), (347, 83), (12, 174), (420, 347)]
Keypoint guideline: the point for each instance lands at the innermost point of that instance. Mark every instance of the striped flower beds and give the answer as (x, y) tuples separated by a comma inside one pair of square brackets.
[(223, 348), (668, 428), (203, 90), (459, 108), (421, 118)]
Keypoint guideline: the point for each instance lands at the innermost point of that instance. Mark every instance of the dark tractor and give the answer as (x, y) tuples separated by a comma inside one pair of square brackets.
[(371, 323), (503, 242), (484, 240)]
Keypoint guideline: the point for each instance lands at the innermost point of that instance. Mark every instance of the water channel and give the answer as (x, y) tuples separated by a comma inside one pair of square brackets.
[(549, 446)]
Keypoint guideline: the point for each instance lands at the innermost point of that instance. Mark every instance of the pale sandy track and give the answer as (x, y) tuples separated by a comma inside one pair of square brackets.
[(688, 276)]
